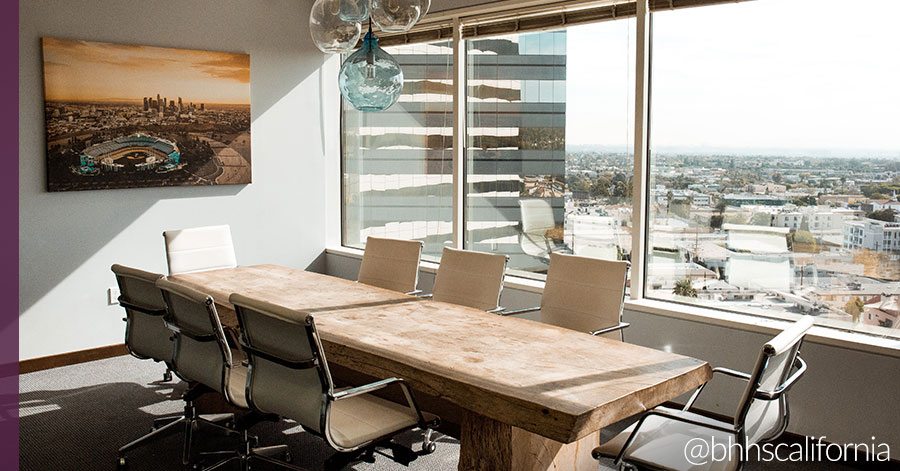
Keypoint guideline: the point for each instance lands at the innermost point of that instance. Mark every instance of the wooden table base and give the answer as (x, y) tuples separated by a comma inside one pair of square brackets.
[(486, 444)]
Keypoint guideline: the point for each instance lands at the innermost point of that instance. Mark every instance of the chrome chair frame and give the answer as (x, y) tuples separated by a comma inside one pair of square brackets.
[(193, 420), (738, 428), (319, 362)]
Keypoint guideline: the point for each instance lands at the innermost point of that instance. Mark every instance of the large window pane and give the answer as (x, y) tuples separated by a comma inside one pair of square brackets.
[(397, 163), (549, 155), (775, 160)]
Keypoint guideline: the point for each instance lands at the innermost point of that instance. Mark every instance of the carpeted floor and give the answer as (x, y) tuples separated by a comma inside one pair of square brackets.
[(76, 417)]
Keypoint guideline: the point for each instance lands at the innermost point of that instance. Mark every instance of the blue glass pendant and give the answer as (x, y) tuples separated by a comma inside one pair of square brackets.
[(370, 79)]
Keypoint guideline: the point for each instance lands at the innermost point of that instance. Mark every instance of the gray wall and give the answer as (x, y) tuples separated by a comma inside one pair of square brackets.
[(848, 396), (68, 240)]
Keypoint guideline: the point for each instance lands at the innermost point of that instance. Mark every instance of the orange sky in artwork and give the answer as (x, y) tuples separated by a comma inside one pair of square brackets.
[(99, 72)]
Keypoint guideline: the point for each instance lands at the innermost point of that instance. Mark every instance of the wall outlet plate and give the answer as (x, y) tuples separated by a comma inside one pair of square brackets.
[(112, 295)]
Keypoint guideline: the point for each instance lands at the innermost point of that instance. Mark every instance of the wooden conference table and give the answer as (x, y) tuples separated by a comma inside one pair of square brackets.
[(534, 395)]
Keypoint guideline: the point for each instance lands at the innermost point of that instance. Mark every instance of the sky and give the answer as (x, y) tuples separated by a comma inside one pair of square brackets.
[(772, 75), (91, 71)]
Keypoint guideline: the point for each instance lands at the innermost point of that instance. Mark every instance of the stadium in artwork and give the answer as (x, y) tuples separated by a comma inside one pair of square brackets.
[(121, 116)]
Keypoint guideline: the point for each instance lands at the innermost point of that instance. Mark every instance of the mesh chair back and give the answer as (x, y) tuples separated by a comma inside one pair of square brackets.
[(146, 334), (201, 351), (584, 294), (467, 278), (391, 264), (288, 375), (765, 419), (199, 249)]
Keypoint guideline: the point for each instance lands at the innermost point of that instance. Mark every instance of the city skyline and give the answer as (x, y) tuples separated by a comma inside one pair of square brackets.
[(93, 72)]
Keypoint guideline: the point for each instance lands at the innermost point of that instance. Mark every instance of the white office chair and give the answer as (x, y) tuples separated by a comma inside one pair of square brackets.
[(199, 249), (289, 377), (660, 438), (202, 355), (468, 278), (391, 264), (537, 220), (584, 294)]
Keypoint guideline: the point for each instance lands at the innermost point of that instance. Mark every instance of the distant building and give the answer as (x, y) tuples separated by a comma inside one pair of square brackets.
[(878, 205), (747, 199), (872, 234), (767, 189), (882, 311)]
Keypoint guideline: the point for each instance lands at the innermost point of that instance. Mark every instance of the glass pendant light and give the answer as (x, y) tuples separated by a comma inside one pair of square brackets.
[(355, 10), (330, 32), (370, 79), (397, 16)]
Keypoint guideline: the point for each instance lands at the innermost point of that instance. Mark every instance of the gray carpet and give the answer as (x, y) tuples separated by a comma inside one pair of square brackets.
[(76, 417)]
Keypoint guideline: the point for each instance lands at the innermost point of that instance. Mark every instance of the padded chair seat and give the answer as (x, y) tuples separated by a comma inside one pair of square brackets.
[(661, 443), (237, 384), (359, 419)]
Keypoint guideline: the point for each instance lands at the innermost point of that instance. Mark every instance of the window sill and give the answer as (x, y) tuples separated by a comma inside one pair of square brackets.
[(747, 322)]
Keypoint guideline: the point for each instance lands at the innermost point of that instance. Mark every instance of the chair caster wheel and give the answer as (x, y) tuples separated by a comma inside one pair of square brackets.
[(287, 457), (167, 376), (122, 464), (429, 448)]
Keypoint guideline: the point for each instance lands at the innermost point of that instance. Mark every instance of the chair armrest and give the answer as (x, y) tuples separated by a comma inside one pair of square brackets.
[(669, 415), (732, 373), (365, 389), (718, 369), (770, 395), (607, 330), (513, 312), (414, 292), (371, 387)]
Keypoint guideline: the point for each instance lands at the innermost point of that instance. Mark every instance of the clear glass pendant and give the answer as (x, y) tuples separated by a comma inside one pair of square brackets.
[(370, 79), (355, 10), (329, 31), (396, 16)]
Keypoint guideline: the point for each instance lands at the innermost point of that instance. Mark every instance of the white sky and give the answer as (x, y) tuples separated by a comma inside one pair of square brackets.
[(766, 74)]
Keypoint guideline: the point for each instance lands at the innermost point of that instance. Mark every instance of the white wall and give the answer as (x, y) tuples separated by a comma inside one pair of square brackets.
[(848, 396), (69, 240)]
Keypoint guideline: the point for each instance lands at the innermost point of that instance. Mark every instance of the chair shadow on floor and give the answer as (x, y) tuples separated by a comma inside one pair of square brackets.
[(82, 429)]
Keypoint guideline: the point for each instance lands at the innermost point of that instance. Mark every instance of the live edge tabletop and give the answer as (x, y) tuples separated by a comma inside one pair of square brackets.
[(507, 372)]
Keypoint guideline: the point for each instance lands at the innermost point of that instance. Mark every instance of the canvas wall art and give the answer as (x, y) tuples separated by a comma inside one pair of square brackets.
[(121, 116)]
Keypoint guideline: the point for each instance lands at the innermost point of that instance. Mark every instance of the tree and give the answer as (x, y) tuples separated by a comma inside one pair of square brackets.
[(886, 214), (721, 206), (685, 288), (855, 308), (715, 222)]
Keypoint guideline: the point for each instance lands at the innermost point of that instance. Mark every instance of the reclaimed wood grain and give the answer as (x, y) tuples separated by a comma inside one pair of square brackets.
[(540, 381)]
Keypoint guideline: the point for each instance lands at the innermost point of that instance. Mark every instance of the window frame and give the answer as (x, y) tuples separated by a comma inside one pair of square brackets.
[(637, 300)]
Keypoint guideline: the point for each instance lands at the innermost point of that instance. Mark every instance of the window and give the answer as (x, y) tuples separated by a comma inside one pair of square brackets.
[(772, 152), (397, 163), (546, 172), (773, 170)]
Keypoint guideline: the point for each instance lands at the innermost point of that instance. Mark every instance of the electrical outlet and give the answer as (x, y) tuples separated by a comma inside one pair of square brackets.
[(112, 295)]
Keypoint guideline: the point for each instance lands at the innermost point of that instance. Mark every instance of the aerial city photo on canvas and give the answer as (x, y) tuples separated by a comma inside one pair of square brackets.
[(121, 116)]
